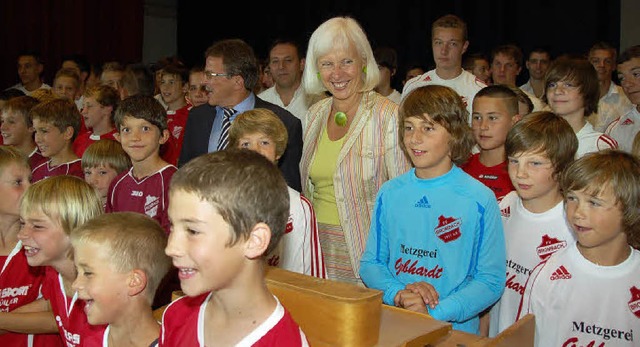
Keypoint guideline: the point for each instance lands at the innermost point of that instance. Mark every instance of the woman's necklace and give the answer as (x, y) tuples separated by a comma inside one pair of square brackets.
[(342, 118)]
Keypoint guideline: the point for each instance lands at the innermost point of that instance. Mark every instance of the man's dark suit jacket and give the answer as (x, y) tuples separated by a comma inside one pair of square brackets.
[(198, 130)]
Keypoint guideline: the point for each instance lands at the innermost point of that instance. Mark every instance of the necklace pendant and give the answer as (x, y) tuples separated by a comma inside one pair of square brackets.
[(340, 118)]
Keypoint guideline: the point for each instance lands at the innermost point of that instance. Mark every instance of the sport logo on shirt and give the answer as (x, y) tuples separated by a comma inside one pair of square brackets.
[(151, 205), (506, 212), (561, 273), (634, 303), (448, 228)]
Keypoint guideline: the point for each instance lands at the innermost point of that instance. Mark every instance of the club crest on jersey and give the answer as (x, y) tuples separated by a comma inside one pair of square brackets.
[(627, 121), (177, 130), (151, 205), (548, 246), (634, 303), (289, 227), (448, 228)]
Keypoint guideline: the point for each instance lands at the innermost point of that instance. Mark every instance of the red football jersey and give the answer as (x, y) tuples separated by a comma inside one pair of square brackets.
[(85, 139), (176, 121), (183, 325), (19, 285), (73, 326), (42, 171), (494, 177), (148, 195), (35, 159)]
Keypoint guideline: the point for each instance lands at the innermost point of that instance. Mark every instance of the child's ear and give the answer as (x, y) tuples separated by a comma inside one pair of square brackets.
[(164, 137), (116, 136), (68, 133), (137, 282), (258, 241)]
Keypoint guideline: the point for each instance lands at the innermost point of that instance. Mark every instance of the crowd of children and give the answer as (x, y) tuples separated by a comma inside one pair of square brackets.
[(506, 211)]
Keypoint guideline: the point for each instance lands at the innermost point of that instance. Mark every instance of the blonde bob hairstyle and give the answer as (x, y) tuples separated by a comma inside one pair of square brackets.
[(68, 200), (339, 33)]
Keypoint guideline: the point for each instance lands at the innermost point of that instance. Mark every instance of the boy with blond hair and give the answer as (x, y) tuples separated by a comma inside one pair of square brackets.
[(17, 129), (495, 110), (588, 294), (102, 162), (539, 148), (260, 130), (228, 210), (56, 124), (142, 128), (66, 84), (117, 277)]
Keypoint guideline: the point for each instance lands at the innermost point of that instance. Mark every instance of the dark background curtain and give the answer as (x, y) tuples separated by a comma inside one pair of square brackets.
[(113, 29), (103, 30)]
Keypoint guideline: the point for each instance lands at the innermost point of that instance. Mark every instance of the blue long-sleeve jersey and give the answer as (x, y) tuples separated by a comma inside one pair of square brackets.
[(445, 231)]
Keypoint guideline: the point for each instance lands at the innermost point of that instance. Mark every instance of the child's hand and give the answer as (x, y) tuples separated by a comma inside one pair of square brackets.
[(426, 291), (411, 301)]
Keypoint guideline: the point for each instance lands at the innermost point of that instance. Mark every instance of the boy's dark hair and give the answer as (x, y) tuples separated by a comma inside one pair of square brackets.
[(450, 21), (59, 112), (132, 241), (615, 170), (387, 57), (142, 107), (177, 70), (238, 58), (503, 92), (22, 105), (243, 186), (445, 107), (470, 59), (547, 133), (106, 152), (31, 53), (629, 53), (509, 50), (580, 72), (138, 79), (11, 93), (540, 50), (80, 60)]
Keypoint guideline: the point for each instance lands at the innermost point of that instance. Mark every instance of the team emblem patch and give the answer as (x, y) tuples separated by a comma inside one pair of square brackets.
[(448, 228), (634, 303), (548, 246)]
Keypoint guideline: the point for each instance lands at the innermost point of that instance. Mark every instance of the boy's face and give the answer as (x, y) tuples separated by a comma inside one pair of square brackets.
[(448, 45), (198, 245), (14, 180), (43, 239), (140, 139), (50, 139), (197, 89), (99, 177), (427, 144), (490, 122), (412, 73), (172, 89), (531, 174), (112, 79), (564, 98), (596, 220), (95, 114), (14, 130), (99, 284), (504, 70), (629, 76), (538, 64), (604, 63), (481, 70), (65, 87), (261, 143)]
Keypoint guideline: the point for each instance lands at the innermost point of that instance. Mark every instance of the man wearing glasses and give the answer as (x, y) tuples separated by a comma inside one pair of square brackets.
[(231, 73)]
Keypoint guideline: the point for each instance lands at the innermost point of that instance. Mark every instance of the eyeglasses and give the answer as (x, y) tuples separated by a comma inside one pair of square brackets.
[(210, 75)]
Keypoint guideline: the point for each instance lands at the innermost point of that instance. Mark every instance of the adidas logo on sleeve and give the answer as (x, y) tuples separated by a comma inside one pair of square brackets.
[(561, 273)]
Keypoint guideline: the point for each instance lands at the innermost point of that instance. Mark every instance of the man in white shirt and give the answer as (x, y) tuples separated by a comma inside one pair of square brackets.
[(286, 62), (448, 43), (625, 128), (613, 103), (537, 65), (30, 69)]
